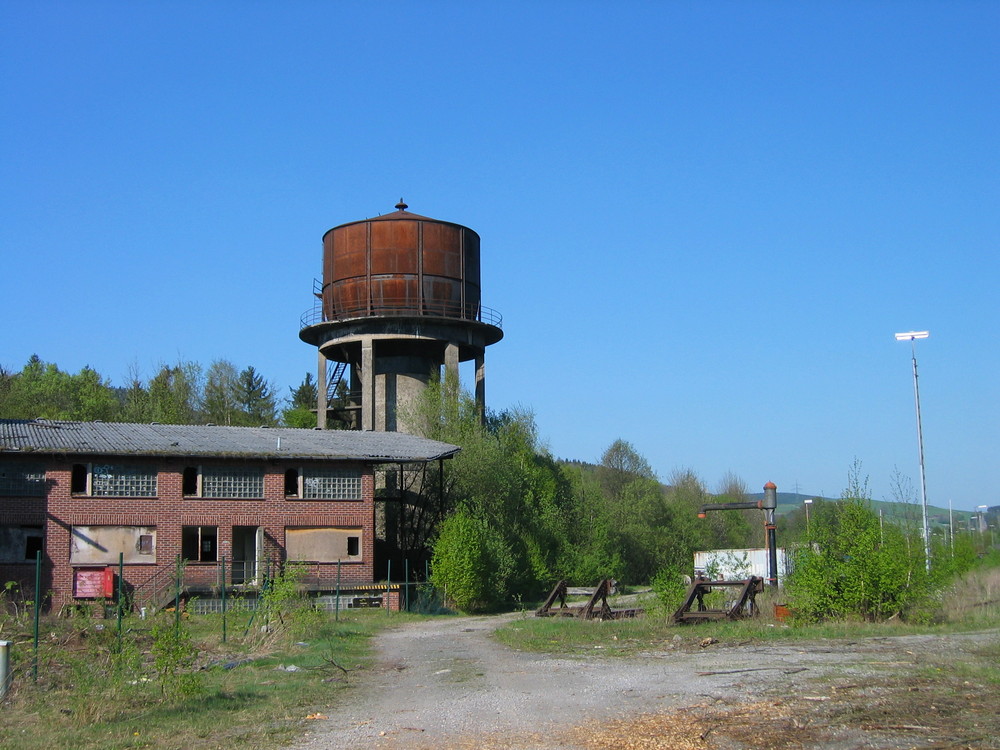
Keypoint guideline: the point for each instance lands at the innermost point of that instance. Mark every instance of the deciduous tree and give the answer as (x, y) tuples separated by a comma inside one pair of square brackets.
[(222, 393)]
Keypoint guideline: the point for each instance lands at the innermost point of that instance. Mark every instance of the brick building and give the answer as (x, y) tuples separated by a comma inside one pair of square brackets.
[(230, 501)]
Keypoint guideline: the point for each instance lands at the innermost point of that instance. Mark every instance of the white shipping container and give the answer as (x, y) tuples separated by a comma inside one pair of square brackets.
[(738, 564)]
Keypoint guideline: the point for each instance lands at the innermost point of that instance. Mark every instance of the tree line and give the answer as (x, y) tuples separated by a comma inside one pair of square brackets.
[(504, 519), (183, 393), (515, 520)]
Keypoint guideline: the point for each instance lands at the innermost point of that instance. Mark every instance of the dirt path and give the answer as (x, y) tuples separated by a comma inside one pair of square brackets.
[(445, 683)]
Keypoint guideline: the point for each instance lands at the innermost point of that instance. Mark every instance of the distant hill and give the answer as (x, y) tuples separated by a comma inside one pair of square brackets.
[(900, 513), (896, 512)]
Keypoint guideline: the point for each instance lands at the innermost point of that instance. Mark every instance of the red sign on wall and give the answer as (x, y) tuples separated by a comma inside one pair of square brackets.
[(93, 583)]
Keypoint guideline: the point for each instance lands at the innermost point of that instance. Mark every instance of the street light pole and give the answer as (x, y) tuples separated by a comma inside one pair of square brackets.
[(951, 528), (912, 336), (808, 502)]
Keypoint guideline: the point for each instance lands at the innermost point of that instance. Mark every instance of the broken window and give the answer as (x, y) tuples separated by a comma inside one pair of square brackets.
[(292, 483), (200, 543), (20, 543), (22, 480), (79, 483), (33, 545), (189, 481)]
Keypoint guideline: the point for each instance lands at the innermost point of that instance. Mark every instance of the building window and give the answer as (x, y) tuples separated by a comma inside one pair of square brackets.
[(292, 483), (189, 481), (20, 543), (323, 484), (113, 480), (323, 544), (102, 545), (200, 543), (22, 480), (33, 544), (224, 482), (79, 483)]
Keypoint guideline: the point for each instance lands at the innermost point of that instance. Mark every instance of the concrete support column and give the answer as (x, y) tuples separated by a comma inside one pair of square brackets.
[(481, 385), (451, 362), (321, 391), (355, 399), (367, 383)]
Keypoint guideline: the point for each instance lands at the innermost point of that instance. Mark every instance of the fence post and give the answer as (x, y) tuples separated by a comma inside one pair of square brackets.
[(223, 598), (121, 575), (38, 611), (177, 597), (388, 586), (5, 675), (406, 584), (336, 606)]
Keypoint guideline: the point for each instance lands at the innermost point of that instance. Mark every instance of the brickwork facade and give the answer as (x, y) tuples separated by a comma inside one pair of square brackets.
[(170, 511)]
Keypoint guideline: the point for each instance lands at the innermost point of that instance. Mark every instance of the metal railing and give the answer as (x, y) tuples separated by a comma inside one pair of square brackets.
[(160, 590), (154, 592), (403, 307)]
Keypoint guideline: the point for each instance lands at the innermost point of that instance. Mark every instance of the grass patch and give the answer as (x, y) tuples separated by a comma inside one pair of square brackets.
[(254, 691), (567, 635)]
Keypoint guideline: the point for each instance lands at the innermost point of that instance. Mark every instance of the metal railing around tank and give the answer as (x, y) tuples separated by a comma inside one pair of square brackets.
[(403, 307)]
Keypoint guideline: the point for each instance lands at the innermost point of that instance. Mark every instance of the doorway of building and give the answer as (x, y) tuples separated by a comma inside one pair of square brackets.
[(248, 549)]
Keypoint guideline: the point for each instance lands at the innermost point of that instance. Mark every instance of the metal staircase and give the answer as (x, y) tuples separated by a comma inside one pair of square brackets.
[(335, 377)]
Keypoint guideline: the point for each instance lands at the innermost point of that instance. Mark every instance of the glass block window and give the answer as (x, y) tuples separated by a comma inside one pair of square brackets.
[(231, 481), (112, 480), (331, 484), (22, 480)]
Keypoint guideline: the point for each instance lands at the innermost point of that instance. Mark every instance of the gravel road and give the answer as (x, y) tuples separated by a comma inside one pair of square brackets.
[(445, 683)]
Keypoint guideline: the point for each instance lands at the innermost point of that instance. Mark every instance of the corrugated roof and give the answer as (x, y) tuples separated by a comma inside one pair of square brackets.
[(126, 439)]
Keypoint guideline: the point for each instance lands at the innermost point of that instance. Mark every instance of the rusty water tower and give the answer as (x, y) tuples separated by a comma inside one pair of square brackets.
[(399, 300)]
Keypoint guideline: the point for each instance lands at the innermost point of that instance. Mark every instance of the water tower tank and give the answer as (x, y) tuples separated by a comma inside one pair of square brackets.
[(399, 299)]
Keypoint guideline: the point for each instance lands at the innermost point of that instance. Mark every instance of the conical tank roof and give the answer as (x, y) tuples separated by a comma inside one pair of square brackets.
[(401, 214)]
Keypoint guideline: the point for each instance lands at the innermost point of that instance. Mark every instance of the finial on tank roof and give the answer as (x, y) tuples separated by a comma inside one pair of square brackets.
[(401, 206)]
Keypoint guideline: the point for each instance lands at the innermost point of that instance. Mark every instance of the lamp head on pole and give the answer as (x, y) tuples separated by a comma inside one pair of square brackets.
[(911, 335)]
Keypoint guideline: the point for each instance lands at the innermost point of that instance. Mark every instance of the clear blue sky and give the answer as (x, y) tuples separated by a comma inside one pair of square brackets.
[(702, 222)]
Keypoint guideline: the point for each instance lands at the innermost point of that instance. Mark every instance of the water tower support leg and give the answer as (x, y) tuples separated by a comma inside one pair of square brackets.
[(451, 362), (321, 391), (481, 385), (367, 384)]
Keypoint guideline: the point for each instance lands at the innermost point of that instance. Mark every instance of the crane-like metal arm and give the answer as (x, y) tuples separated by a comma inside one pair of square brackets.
[(768, 505)]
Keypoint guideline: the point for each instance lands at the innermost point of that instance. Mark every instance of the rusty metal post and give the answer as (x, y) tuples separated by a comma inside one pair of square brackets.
[(769, 505)]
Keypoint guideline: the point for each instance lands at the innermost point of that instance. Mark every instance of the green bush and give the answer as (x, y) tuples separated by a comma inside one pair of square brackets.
[(670, 588), (856, 566), (174, 657), (471, 563)]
